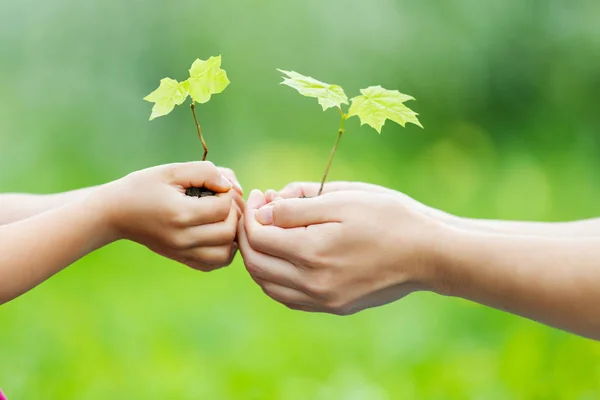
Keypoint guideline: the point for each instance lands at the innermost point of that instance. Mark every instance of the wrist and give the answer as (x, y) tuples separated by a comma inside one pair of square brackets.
[(439, 268), (459, 254), (100, 208)]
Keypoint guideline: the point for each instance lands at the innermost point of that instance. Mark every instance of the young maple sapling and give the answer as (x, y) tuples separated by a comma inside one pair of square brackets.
[(374, 106), (206, 78)]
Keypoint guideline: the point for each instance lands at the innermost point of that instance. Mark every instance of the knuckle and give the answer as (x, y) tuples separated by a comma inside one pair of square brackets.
[(170, 171), (227, 232), (218, 256), (207, 164), (223, 255), (201, 267), (254, 238), (222, 208), (310, 256), (336, 305), (207, 167), (252, 266), (179, 218), (320, 248), (270, 291), (281, 210), (230, 233), (318, 287), (340, 310), (227, 171), (170, 214), (177, 241)]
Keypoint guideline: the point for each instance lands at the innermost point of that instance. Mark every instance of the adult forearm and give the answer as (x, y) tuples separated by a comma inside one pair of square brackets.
[(17, 206), (34, 249), (574, 229), (550, 280)]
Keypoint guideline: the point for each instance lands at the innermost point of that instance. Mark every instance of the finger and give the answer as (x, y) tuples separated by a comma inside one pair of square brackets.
[(206, 210), (293, 213), (255, 200), (270, 240), (198, 174), (229, 174), (270, 195), (216, 234), (239, 202), (266, 267), (311, 189), (296, 190), (236, 199), (283, 294), (208, 258)]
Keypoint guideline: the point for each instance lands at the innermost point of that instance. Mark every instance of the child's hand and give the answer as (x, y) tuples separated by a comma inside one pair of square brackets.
[(150, 207)]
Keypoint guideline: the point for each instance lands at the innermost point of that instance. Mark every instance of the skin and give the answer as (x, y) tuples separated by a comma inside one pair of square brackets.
[(349, 250), (17, 206), (149, 207), (583, 228)]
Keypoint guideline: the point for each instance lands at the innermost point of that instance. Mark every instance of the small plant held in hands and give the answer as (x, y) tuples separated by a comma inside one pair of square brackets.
[(374, 106), (206, 78)]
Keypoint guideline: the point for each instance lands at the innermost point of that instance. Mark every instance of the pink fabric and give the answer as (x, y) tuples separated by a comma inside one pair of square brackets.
[(2, 396)]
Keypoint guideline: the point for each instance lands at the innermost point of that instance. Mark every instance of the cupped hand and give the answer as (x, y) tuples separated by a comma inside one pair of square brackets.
[(340, 252), (150, 207)]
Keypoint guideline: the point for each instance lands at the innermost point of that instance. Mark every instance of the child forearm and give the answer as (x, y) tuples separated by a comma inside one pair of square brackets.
[(17, 206), (148, 206), (36, 248)]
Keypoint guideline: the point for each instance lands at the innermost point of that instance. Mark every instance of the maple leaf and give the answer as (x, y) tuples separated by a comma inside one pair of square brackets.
[(169, 94), (207, 78), (375, 105), (328, 95)]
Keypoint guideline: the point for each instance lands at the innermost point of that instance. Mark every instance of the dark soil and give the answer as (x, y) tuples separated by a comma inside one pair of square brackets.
[(199, 192)]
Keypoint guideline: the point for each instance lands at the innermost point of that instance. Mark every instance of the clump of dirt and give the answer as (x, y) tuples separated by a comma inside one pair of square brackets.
[(199, 192)]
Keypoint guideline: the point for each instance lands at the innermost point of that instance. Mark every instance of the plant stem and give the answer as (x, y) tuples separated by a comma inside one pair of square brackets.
[(193, 107), (335, 146)]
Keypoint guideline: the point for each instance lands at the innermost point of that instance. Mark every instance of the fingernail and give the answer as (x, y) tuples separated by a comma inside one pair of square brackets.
[(264, 215), (225, 182)]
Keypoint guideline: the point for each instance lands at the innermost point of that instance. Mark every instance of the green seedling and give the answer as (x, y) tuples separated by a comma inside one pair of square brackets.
[(373, 106), (206, 78)]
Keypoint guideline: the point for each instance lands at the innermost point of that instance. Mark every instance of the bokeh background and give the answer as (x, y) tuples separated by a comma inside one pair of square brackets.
[(507, 92)]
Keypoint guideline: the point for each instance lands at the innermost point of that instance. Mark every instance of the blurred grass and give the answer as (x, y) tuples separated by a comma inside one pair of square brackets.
[(507, 93)]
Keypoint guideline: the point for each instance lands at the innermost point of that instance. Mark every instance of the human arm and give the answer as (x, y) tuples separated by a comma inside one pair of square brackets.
[(582, 228), (343, 252), (148, 206), (17, 206)]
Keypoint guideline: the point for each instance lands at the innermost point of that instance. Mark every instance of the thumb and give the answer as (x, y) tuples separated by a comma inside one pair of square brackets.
[(199, 174), (294, 213)]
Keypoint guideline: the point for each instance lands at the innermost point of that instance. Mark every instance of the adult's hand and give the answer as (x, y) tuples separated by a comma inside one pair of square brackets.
[(340, 252)]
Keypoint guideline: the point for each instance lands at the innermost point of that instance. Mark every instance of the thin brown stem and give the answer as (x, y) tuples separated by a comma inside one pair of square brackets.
[(335, 146), (193, 107)]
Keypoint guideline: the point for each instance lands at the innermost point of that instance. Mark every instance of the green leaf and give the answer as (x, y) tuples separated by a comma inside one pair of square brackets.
[(169, 94), (328, 95), (377, 104), (207, 78)]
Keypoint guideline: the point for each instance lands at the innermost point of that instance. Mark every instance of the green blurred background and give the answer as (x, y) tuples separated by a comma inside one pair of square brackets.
[(507, 92)]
